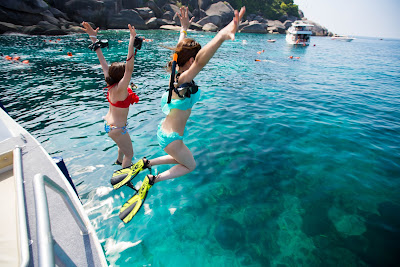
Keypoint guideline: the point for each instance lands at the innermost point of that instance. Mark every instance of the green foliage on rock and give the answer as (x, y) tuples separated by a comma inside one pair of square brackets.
[(271, 9)]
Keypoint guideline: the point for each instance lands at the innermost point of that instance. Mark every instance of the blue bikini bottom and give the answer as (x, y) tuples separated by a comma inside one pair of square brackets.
[(109, 127), (164, 139)]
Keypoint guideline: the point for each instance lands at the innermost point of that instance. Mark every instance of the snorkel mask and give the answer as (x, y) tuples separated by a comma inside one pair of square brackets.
[(99, 44)]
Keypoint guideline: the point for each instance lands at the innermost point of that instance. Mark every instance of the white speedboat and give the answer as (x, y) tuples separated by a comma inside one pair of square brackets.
[(43, 222), (343, 38), (299, 33)]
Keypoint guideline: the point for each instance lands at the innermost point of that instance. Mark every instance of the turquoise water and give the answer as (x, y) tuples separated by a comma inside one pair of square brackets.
[(298, 160)]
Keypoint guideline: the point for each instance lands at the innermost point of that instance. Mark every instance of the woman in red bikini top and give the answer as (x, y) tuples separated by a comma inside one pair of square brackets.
[(117, 77)]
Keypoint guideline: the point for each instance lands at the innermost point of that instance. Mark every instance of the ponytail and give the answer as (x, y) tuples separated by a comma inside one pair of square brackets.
[(115, 73), (109, 80)]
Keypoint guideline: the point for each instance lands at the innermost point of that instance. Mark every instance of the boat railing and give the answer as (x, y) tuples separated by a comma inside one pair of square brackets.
[(22, 225), (45, 239)]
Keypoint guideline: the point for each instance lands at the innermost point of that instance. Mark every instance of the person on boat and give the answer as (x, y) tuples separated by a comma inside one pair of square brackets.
[(191, 59), (119, 95)]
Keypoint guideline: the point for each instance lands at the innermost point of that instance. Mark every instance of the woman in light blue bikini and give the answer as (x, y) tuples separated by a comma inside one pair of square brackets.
[(172, 130), (191, 59)]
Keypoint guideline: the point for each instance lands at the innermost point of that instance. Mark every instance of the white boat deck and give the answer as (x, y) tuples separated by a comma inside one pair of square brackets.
[(9, 249), (70, 246)]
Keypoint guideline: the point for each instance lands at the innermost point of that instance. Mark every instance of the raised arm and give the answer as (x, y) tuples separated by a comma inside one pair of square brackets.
[(208, 51), (93, 36), (185, 22), (130, 59)]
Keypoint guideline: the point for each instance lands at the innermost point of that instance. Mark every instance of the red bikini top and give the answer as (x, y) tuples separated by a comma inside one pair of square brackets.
[(129, 100)]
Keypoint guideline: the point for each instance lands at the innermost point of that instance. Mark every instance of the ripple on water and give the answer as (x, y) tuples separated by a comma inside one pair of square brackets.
[(298, 161)]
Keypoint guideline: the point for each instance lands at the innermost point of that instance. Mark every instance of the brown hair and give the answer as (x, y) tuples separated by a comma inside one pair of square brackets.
[(186, 49), (115, 73)]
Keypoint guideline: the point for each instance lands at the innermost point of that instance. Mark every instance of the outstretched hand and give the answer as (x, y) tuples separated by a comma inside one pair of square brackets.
[(184, 17), (132, 30), (88, 29), (229, 31)]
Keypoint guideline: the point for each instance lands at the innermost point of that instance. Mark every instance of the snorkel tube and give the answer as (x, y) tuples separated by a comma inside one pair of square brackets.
[(172, 78)]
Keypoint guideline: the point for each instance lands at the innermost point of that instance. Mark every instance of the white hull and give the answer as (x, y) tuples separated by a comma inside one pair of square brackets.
[(343, 39), (299, 33), (294, 40)]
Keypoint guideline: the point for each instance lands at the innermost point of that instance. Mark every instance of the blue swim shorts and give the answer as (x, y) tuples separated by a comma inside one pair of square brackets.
[(164, 139)]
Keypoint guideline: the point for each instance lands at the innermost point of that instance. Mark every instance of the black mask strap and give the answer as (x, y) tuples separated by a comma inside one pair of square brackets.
[(172, 78)]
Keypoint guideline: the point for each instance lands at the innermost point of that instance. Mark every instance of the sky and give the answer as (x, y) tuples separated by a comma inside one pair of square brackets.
[(372, 18)]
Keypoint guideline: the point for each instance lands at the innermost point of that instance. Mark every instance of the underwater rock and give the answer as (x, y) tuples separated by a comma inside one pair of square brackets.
[(229, 234)]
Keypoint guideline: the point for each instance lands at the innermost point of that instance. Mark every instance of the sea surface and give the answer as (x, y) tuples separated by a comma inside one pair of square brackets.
[(298, 159)]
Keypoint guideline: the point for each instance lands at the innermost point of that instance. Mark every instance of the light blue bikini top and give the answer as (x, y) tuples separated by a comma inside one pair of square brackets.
[(182, 104)]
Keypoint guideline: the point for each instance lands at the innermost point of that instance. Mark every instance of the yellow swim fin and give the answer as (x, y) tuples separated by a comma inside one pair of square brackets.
[(123, 176), (133, 205)]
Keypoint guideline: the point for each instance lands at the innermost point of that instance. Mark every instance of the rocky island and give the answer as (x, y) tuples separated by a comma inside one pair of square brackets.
[(61, 17)]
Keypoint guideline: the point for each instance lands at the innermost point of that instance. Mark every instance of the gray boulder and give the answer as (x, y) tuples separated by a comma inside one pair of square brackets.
[(243, 24), (65, 24), (204, 4), (301, 14), (222, 9), (161, 2), (125, 17), (198, 14), (152, 23), (74, 29), (287, 24), (195, 26), (43, 28), (317, 30), (210, 27), (177, 20), (157, 11), (19, 18), (9, 27), (276, 26), (272, 30), (168, 15), (254, 27), (48, 16), (28, 6), (171, 7), (170, 27), (57, 13), (131, 4), (214, 19), (145, 12), (161, 22), (193, 4), (111, 7), (202, 14), (260, 19), (286, 17), (86, 10), (251, 17)]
